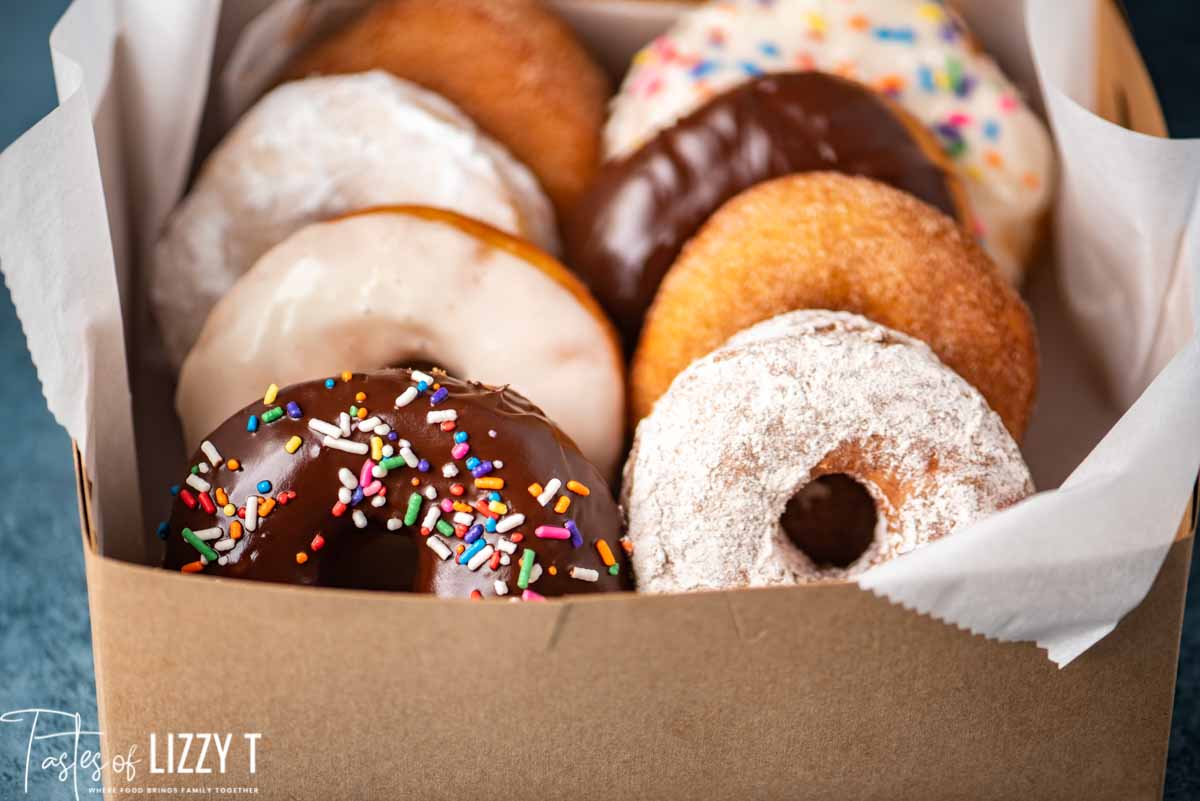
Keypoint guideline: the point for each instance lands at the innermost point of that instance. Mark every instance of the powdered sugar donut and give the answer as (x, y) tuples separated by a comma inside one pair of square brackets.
[(805, 395), (319, 147), (915, 51), (403, 286)]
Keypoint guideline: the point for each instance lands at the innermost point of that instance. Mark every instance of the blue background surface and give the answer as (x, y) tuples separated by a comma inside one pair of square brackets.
[(45, 646)]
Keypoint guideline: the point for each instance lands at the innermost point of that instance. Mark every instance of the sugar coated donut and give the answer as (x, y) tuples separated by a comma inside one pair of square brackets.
[(511, 65), (746, 429), (832, 241), (401, 286), (629, 227), (915, 51), (397, 480), (320, 147)]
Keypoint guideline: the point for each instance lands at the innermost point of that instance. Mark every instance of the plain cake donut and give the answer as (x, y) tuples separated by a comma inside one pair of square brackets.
[(515, 68), (832, 241)]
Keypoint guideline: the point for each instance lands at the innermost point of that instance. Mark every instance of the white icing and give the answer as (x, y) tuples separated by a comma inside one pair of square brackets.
[(375, 290), (1008, 160), (740, 430), (319, 147)]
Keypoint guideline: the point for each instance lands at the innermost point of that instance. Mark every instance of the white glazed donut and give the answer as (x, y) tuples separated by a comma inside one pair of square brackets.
[(915, 51), (803, 395), (394, 286), (319, 147)]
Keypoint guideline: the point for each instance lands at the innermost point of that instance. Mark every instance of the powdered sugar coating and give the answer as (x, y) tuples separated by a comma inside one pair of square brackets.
[(795, 397), (319, 147), (916, 52)]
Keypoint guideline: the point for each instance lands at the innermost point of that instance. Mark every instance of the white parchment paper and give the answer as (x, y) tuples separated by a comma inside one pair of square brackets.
[(1064, 567), (1115, 442)]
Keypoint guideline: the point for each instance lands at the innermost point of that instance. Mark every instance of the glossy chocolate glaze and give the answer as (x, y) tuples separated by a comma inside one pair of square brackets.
[(530, 447), (630, 226)]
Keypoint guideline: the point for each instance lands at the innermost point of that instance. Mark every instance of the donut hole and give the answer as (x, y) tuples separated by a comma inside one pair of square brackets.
[(425, 365), (373, 559), (831, 520)]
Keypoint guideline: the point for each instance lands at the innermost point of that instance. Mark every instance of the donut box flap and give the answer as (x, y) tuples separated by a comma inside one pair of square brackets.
[(829, 691)]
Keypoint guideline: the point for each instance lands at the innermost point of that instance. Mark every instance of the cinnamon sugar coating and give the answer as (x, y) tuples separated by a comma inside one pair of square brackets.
[(831, 241)]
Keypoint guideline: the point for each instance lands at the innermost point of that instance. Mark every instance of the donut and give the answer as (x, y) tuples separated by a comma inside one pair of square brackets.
[(917, 52), (512, 65), (629, 227), (316, 148), (744, 433), (397, 480), (824, 240), (404, 286)]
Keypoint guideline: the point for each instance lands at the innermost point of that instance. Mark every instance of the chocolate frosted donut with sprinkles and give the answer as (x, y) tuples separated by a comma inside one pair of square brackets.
[(398, 480)]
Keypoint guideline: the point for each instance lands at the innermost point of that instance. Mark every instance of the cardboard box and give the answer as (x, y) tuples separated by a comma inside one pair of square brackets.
[(815, 692)]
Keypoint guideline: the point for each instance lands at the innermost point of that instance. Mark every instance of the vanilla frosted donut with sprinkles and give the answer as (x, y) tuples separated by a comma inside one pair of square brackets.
[(915, 51), (315, 148), (409, 286), (752, 426), (397, 480)]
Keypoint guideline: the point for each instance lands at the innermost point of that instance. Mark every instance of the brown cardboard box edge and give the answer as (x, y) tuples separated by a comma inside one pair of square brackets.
[(748, 694), (745, 694)]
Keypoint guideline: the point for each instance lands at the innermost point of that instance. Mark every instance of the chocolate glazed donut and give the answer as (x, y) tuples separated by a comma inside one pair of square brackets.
[(629, 228), (323, 520)]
